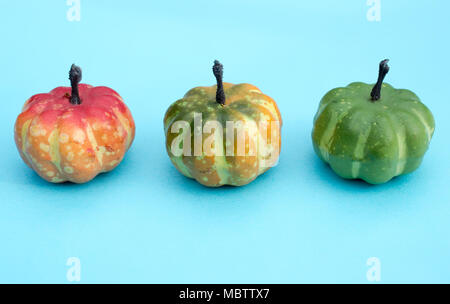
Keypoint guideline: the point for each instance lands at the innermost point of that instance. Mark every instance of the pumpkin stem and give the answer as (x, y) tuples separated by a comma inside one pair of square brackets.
[(376, 91), (218, 73), (75, 78)]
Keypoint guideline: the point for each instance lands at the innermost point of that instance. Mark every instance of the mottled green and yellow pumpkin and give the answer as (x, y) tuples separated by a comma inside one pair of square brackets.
[(222, 103), (372, 132)]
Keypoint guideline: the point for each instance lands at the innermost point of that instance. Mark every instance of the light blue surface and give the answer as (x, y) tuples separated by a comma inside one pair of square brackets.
[(297, 223)]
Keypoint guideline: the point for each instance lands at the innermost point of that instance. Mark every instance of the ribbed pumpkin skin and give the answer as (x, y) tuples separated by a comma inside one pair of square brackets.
[(372, 140), (66, 142), (244, 102)]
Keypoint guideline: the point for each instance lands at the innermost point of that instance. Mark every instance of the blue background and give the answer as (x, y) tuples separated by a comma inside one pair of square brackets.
[(299, 222)]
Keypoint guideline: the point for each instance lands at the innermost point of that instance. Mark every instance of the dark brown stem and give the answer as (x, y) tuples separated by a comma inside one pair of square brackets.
[(75, 78), (218, 73), (376, 91)]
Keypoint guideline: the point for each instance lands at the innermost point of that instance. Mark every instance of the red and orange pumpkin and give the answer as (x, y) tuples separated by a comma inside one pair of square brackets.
[(74, 133)]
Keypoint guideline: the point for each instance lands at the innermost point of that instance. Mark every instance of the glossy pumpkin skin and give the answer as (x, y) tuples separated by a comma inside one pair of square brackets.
[(372, 140), (66, 142), (244, 102)]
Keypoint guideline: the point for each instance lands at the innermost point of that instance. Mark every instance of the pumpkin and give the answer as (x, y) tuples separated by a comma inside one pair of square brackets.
[(232, 160), (372, 132), (74, 133)]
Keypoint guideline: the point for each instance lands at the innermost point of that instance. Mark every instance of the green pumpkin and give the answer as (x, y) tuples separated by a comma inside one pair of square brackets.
[(372, 132)]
